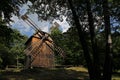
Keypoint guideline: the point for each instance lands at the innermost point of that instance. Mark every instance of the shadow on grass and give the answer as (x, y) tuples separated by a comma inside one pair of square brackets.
[(116, 76), (44, 74)]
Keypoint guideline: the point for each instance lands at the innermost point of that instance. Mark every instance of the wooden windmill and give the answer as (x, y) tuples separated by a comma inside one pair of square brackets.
[(40, 48)]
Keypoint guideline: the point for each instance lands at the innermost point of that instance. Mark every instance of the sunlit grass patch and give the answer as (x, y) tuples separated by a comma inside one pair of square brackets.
[(116, 78), (82, 69), (71, 73)]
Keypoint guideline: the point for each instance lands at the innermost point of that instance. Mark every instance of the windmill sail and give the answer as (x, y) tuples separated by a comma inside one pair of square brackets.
[(34, 50)]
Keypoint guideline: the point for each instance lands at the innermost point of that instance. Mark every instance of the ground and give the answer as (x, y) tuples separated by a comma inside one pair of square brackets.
[(70, 73)]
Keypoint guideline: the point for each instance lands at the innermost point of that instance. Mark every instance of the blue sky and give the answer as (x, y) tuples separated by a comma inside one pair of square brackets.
[(25, 29)]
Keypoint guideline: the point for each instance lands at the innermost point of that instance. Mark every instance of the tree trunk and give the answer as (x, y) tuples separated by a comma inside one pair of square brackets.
[(96, 61), (28, 62), (107, 72), (83, 42), (17, 62)]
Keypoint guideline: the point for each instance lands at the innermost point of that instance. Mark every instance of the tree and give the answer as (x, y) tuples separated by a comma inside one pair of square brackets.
[(5, 39), (76, 13), (11, 45), (17, 47), (69, 42), (96, 61), (116, 52), (8, 8), (75, 7), (57, 37), (83, 42), (107, 73), (74, 52)]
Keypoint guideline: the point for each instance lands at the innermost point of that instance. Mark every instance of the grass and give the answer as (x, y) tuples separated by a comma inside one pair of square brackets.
[(69, 73), (116, 76), (82, 69)]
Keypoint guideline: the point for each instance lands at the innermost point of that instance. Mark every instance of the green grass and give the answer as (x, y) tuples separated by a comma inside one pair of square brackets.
[(45, 74), (116, 76), (70, 73)]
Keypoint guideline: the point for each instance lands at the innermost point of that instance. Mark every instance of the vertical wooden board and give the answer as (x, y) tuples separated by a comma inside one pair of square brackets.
[(45, 55)]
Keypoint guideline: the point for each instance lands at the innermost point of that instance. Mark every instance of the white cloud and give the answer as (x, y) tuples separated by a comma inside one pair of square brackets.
[(64, 25), (23, 9), (21, 26), (24, 28), (29, 3), (43, 25)]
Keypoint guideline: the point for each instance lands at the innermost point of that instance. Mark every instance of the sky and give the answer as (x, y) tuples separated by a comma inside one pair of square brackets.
[(25, 29)]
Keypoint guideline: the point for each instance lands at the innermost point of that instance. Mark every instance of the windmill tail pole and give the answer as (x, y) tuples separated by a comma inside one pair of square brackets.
[(31, 23)]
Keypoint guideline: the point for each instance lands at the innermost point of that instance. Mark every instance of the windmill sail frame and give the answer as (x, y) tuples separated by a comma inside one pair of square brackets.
[(43, 39)]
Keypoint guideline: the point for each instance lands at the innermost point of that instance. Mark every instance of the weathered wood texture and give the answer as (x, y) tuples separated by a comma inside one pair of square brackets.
[(40, 53)]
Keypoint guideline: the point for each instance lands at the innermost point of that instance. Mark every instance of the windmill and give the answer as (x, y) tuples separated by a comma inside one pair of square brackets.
[(40, 47)]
